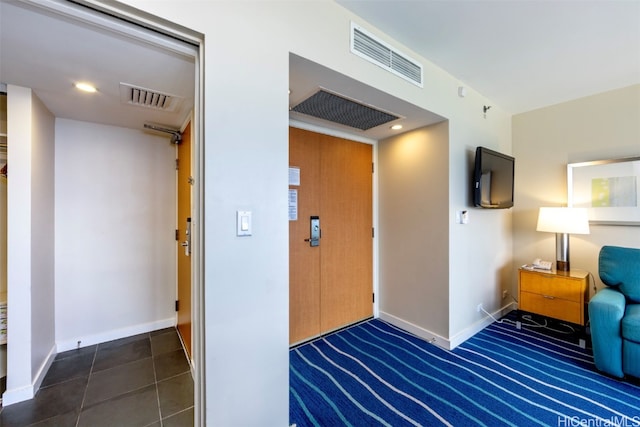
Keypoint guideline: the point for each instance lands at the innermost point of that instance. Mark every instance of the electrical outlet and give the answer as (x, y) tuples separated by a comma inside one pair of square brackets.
[(479, 308), (504, 294)]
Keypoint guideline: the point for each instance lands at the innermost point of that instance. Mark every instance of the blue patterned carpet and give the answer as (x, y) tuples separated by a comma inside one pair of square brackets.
[(376, 374)]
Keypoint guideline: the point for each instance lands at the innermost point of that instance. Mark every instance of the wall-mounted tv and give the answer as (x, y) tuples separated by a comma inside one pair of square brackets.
[(493, 179)]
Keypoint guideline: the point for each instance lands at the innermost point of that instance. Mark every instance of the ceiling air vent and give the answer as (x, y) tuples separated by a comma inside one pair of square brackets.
[(369, 47), (143, 97), (339, 109)]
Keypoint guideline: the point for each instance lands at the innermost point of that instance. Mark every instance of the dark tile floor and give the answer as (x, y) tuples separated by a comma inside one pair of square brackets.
[(143, 380)]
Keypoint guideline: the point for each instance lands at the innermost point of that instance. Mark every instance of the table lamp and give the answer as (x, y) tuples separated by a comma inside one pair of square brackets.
[(563, 221)]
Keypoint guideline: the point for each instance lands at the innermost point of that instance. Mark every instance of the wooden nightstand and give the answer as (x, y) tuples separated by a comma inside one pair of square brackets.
[(558, 294)]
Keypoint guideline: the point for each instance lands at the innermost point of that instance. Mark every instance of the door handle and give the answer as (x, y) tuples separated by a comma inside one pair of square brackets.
[(187, 243), (314, 226)]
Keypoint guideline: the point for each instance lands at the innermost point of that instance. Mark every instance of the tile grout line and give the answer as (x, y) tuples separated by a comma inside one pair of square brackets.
[(86, 388), (174, 376), (181, 411), (89, 375), (155, 379)]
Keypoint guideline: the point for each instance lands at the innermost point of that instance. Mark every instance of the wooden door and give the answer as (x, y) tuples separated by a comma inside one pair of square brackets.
[(331, 285), (304, 260), (347, 225), (184, 220)]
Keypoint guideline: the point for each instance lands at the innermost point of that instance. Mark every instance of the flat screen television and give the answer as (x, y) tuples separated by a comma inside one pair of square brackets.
[(493, 179)]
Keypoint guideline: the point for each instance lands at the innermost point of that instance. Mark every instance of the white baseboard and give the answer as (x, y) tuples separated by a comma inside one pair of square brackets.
[(27, 392), (467, 333), (44, 368), (114, 334), (416, 330), (446, 343), (15, 395)]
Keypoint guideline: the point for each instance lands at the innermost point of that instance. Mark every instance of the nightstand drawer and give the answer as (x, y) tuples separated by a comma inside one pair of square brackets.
[(552, 286), (560, 295), (570, 311)]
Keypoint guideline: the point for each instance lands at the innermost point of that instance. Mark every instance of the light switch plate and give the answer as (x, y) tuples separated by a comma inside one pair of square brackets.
[(243, 223)]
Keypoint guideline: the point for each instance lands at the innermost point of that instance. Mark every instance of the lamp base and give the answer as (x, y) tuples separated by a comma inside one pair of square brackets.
[(562, 265)]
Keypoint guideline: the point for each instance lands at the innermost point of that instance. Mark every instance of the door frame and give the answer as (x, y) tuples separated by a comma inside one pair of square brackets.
[(374, 205), (188, 122), (111, 16)]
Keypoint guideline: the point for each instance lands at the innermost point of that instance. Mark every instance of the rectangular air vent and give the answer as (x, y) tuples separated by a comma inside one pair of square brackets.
[(143, 97), (340, 109), (369, 47)]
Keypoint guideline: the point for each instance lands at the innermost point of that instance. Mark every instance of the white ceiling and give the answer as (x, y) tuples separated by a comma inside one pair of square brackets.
[(47, 52), (520, 54)]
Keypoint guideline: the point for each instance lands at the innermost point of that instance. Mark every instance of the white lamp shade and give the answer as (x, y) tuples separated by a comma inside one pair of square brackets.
[(563, 220)]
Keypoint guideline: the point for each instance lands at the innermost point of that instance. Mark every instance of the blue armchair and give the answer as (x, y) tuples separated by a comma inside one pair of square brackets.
[(614, 313)]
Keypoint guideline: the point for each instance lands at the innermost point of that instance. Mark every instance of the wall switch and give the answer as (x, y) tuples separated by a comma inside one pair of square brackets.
[(243, 223)]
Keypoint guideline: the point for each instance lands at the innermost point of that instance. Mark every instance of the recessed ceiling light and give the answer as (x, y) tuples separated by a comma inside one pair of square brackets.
[(85, 87), (396, 127)]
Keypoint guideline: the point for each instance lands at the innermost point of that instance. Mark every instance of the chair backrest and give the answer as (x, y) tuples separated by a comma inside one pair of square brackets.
[(620, 267)]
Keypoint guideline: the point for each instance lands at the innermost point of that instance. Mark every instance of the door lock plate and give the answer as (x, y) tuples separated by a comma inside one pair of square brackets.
[(314, 240)]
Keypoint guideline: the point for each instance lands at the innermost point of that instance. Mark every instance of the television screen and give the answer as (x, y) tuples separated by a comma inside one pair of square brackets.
[(493, 179)]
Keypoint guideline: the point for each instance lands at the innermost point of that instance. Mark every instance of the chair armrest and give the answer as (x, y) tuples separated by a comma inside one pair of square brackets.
[(606, 310), (610, 303)]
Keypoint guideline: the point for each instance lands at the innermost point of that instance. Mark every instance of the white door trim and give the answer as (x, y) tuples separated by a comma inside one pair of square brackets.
[(134, 23)]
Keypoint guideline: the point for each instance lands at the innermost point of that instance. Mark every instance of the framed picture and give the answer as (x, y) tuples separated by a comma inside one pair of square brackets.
[(609, 189)]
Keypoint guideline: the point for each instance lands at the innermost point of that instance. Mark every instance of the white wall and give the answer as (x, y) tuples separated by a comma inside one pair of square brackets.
[(413, 237), (480, 252), (42, 234), (598, 127), (446, 269), (30, 240), (115, 220), (246, 82)]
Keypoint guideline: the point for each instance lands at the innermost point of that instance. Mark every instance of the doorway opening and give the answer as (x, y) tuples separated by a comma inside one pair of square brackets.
[(123, 25)]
